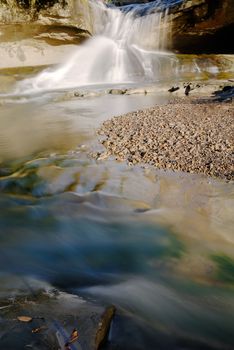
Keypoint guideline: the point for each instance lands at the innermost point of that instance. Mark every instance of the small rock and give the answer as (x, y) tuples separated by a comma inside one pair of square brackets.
[(173, 89), (117, 91), (187, 90)]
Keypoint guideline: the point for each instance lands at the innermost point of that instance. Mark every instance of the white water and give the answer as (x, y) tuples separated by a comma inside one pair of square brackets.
[(124, 49)]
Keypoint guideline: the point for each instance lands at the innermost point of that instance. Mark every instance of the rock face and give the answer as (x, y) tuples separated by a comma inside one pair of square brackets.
[(194, 26), (41, 32), (203, 26), (69, 13)]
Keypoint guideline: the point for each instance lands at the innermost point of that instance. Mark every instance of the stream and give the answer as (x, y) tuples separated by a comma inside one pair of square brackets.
[(156, 244)]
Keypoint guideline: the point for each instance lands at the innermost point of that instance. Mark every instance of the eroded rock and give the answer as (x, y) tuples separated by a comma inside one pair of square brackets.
[(203, 26)]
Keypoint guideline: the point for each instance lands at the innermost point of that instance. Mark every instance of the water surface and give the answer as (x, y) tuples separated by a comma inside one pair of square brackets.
[(156, 244)]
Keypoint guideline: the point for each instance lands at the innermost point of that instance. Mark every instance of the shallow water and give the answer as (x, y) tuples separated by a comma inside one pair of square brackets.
[(156, 244)]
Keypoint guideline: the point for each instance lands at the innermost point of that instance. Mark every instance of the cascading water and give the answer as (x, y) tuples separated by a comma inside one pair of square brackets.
[(125, 48)]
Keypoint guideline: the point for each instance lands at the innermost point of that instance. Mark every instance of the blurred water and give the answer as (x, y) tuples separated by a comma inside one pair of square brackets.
[(125, 48), (158, 245), (60, 122)]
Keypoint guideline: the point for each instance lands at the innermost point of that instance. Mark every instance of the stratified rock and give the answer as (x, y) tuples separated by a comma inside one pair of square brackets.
[(203, 26), (68, 14), (193, 26)]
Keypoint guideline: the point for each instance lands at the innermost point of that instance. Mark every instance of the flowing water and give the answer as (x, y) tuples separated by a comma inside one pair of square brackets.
[(158, 245), (128, 49)]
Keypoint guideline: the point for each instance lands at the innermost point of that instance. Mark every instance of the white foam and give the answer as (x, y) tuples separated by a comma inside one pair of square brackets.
[(125, 48)]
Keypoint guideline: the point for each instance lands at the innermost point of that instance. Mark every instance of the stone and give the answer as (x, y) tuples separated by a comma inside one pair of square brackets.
[(117, 91), (54, 318), (185, 132), (173, 89)]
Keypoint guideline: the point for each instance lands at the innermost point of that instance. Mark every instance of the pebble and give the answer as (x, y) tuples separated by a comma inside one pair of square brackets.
[(184, 135)]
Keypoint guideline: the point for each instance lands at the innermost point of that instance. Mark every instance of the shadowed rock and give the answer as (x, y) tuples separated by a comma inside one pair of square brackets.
[(52, 321), (225, 94), (173, 89), (203, 26), (198, 26)]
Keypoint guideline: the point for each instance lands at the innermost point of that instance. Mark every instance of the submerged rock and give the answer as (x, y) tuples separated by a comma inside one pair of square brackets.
[(117, 91), (53, 321)]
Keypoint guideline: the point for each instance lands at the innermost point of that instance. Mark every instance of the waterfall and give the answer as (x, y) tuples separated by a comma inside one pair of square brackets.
[(125, 48)]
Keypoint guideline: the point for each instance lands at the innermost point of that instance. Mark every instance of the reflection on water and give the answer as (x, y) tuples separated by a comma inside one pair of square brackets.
[(29, 127), (158, 245)]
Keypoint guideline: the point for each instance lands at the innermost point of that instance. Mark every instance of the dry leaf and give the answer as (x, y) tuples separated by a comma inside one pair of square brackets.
[(74, 335), (24, 318), (39, 329)]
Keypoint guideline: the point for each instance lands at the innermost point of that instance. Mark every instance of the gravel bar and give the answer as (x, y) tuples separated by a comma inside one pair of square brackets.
[(188, 137)]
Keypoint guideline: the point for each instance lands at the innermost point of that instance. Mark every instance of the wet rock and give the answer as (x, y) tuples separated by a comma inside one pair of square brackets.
[(187, 90), (104, 326), (117, 91), (141, 91), (53, 319), (79, 94), (173, 89), (225, 94)]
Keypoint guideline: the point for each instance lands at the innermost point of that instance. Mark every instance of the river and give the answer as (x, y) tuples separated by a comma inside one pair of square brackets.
[(158, 245)]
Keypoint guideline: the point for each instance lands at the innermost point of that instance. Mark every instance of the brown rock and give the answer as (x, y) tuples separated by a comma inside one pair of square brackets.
[(104, 326), (203, 26)]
